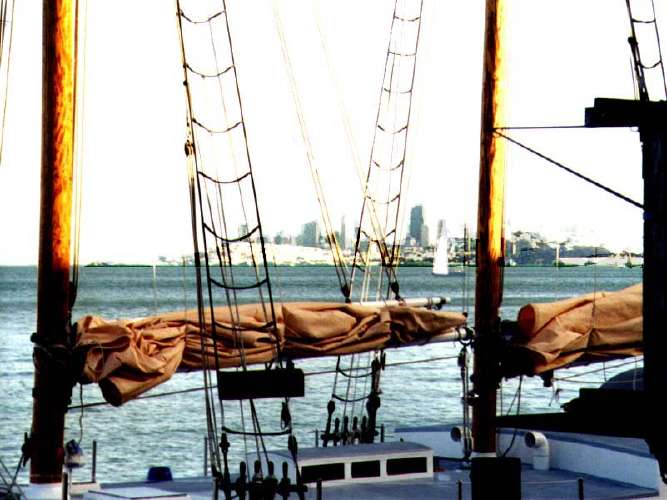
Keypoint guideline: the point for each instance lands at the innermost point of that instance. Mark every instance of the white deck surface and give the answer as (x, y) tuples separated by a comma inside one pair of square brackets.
[(553, 484)]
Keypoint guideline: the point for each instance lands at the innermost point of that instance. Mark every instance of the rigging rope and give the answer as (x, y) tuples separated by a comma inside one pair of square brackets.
[(390, 208), (336, 252), (466, 438), (571, 171), (6, 38), (11, 480), (307, 374), (379, 210), (540, 127), (354, 152), (372, 212), (596, 370), (216, 201), (80, 49), (639, 65), (517, 397)]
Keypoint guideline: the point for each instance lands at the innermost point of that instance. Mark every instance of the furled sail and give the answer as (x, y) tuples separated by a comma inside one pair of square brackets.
[(594, 327), (127, 358)]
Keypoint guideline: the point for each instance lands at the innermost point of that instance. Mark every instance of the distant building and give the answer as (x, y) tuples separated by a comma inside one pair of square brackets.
[(424, 236), (416, 224), (310, 235), (280, 238), (342, 240)]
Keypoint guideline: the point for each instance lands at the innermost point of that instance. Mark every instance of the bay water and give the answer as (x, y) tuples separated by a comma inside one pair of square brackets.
[(170, 430)]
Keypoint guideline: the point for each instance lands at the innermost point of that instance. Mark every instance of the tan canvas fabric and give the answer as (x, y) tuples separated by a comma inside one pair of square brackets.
[(128, 357), (582, 328)]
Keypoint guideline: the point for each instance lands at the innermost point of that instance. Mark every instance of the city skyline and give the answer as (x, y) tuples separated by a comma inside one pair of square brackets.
[(522, 249), (312, 235), (135, 201)]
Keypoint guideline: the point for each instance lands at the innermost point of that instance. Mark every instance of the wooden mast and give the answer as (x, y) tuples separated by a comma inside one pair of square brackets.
[(52, 386), (490, 242)]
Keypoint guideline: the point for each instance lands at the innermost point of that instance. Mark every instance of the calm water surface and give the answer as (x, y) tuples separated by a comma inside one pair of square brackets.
[(170, 430)]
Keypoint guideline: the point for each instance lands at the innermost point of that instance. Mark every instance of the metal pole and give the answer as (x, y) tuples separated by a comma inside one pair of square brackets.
[(216, 489), (414, 302), (65, 488), (93, 472), (52, 390), (205, 456)]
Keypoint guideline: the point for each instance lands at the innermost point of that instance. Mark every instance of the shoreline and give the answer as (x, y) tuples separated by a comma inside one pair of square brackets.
[(411, 265)]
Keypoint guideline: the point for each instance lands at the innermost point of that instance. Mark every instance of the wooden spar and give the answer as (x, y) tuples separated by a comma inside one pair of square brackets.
[(52, 388), (490, 245)]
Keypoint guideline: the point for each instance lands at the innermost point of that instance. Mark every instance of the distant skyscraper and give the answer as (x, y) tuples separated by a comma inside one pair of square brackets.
[(416, 223), (310, 235), (423, 236), (343, 234)]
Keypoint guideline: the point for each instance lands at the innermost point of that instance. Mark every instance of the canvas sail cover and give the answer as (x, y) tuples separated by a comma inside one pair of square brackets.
[(594, 327), (128, 357)]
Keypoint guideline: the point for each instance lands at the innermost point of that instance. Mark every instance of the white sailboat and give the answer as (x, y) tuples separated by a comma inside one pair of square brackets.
[(441, 256)]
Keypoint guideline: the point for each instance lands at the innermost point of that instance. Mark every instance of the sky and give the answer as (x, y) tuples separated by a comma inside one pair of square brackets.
[(559, 55)]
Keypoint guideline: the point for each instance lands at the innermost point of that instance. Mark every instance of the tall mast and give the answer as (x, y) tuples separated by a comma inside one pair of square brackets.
[(52, 387), (490, 243)]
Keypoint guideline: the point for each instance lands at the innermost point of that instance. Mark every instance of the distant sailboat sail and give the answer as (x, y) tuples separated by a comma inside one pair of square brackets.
[(441, 257)]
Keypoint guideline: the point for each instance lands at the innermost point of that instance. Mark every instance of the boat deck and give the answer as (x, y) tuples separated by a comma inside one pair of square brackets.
[(602, 462), (554, 484), (634, 446)]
